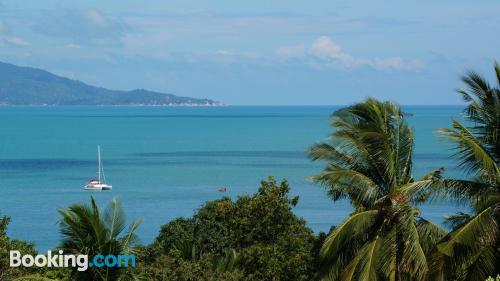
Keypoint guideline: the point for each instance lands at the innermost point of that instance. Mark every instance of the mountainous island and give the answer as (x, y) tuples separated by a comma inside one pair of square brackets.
[(37, 87)]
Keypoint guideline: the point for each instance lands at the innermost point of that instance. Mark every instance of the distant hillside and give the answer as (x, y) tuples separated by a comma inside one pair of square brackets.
[(32, 86)]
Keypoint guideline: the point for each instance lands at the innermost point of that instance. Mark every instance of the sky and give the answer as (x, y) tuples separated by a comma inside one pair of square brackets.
[(260, 52)]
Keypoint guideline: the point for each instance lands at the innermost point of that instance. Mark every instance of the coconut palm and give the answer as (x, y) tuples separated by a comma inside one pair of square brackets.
[(88, 231), (472, 250), (369, 162)]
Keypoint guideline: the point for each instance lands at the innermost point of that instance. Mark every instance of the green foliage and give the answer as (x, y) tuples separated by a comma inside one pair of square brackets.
[(472, 250), (256, 237), (8, 273), (369, 161), (211, 226), (174, 267), (178, 232), (86, 230), (274, 244), (6, 245)]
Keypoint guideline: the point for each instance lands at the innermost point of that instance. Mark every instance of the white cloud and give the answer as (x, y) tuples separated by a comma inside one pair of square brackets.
[(13, 41), (6, 39), (324, 52), (324, 48), (73, 46)]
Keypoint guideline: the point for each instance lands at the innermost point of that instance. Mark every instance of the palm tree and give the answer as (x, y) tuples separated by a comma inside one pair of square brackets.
[(472, 250), (87, 231), (369, 162)]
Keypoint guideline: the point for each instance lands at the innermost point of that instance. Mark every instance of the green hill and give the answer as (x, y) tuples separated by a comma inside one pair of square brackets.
[(32, 86)]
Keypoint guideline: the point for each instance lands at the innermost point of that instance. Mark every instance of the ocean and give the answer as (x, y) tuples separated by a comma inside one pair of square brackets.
[(165, 162)]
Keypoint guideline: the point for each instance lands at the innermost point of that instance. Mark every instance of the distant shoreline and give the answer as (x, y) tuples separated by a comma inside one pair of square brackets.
[(207, 105), (113, 105)]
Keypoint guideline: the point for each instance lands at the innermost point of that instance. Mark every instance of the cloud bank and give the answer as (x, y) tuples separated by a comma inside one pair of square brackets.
[(6, 39), (324, 52), (82, 27)]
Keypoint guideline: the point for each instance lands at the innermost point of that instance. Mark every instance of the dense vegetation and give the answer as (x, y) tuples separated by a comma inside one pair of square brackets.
[(368, 161), (253, 238)]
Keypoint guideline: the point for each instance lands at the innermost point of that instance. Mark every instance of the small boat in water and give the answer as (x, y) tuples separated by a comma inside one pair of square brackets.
[(100, 182), (222, 189)]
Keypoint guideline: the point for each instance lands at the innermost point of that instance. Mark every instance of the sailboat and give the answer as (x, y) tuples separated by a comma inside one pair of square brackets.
[(100, 182)]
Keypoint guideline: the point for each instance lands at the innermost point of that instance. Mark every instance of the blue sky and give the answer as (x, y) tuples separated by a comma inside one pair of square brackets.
[(259, 52)]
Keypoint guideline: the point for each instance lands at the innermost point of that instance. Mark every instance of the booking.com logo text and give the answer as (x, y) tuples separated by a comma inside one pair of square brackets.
[(81, 262)]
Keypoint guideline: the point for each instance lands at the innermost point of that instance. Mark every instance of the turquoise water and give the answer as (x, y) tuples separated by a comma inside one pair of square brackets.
[(164, 162)]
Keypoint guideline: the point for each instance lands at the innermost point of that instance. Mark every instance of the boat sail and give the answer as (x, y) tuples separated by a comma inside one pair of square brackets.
[(100, 182)]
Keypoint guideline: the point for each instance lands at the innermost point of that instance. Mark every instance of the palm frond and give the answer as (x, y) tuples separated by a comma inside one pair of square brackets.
[(368, 265), (460, 190), (356, 185), (114, 218), (457, 220), (429, 234), (130, 238), (475, 157), (356, 224), (480, 229), (483, 264), (85, 230), (414, 258)]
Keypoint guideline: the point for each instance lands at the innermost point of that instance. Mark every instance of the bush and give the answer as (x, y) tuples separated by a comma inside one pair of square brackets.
[(268, 241)]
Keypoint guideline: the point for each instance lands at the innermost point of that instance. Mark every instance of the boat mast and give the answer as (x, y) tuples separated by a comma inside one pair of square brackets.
[(99, 162), (102, 170)]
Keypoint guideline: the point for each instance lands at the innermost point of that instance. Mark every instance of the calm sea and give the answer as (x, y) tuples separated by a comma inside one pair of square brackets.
[(164, 162)]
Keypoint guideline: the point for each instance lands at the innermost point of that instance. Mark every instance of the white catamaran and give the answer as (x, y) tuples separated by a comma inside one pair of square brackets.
[(100, 182)]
